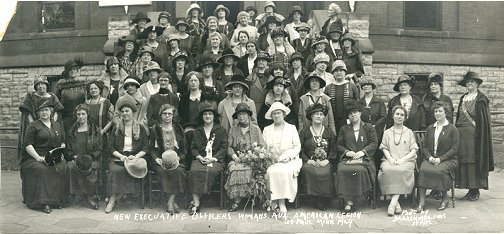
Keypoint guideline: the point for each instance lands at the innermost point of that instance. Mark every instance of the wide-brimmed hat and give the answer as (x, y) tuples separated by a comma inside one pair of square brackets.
[(319, 40), (71, 64), (206, 61), (40, 79), (127, 101), (251, 8), (124, 39), (367, 81), (136, 168), (43, 103), (221, 7), (322, 57), (270, 19), (242, 107), (181, 22), (262, 55), (228, 52), (192, 7), (144, 35), (269, 3), (352, 105), (278, 32), (295, 9), (296, 55), (55, 156), (306, 82), (404, 79), (347, 37), (274, 80), (84, 164), (338, 64), (276, 106), (179, 55), (435, 77), (152, 66), (237, 79), (470, 76), (170, 160), (302, 26), (315, 108), (146, 49), (140, 15), (164, 14)]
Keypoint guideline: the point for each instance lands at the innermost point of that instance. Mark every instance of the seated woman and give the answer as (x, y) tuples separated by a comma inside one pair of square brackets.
[(396, 175), (85, 145), (440, 150), (167, 149), (208, 149), (283, 138), (241, 137), (318, 147), (42, 185), (128, 143), (357, 143)]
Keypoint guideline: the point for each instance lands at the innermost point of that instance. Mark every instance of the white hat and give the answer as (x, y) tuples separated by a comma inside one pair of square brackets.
[(277, 106)]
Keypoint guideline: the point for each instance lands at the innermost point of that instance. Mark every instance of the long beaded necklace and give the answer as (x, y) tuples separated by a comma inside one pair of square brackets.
[(400, 137)]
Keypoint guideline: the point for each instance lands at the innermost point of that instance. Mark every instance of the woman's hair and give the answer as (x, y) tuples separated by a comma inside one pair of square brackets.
[(94, 135), (244, 32), (444, 105), (83, 107), (402, 108), (50, 108), (215, 34), (200, 121), (166, 107), (198, 75), (335, 8), (111, 61), (98, 83)]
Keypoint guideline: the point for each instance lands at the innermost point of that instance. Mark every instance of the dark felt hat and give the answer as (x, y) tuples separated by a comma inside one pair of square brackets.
[(335, 28), (347, 37), (84, 164), (122, 40), (140, 15), (237, 79), (242, 107), (181, 22), (221, 7), (180, 55), (279, 65), (404, 79), (295, 9), (228, 52), (43, 103), (55, 156), (296, 55), (470, 76), (145, 33), (164, 14), (251, 8), (278, 32), (315, 108), (352, 105), (272, 81), (435, 77), (319, 40), (263, 55), (306, 82), (270, 19), (71, 64), (207, 61)]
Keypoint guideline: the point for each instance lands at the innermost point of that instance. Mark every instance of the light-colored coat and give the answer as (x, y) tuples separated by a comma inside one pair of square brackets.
[(226, 111)]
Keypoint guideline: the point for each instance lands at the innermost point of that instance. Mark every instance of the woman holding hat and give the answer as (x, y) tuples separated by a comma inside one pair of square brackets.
[(280, 50), (85, 146), (128, 142), (475, 150), (240, 50), (258, 79), (113, 80), (129, 53), (225, 27), (228, 69), (178, 72), (212, 23), (215, 50), (208, 150), (435, 94), (318, 146), (352, 56), (295, 15), (319, 47), (43, 186), (242, 138), (314, 84), (340, 92), (277, 92), (414, 108), (243, 24), (29, 107), (396, 175), (151, 35), (303, 43), (356, 144), (211, 86), (297, 73), (168, 150), (151, 86), (283, 139), (145, 56), (141, 20), (131, 86), (71, 91), (226, 108), (265, 40)]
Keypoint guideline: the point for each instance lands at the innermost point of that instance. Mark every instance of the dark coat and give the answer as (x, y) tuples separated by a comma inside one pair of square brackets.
[(305, 49), (308, 146), (155, 103), (375, 113), (325, 27), (428, 101), (243, 65), (156, 136), (416, 116), (448, 143), (219, 147), (353, 61), (140, 143), (367, 141), (298, 84), (219, 74)]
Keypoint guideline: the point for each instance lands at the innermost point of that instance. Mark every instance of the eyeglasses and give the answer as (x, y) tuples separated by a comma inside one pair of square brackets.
[(166, 114)]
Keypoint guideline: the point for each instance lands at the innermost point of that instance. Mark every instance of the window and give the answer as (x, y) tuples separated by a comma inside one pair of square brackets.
[(421, 84), (422, 15), (57, 16)]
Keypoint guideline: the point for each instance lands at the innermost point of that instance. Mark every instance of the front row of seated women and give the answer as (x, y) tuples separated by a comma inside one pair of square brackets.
[(315, 154)]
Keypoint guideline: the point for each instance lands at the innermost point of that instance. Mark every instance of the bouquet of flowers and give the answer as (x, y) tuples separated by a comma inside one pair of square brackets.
[(320, 152), (258, 158)]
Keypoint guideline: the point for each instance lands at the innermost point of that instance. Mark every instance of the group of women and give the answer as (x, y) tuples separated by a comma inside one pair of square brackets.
[(166, 109)]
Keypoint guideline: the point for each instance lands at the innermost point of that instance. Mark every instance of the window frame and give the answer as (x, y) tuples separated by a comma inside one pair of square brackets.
[(438, 16), (41, 16), (420, 77)]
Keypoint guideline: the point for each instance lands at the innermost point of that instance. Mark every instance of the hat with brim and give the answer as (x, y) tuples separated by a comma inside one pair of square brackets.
[(140, 15), (347, 37), (263, 55), (272, 81), (237, 79), (321, 58), (276, 106), (181, 22), (71, 64), (242, 107), (146, 49), (40, 79), (43, 103), (122, 40), (221, 7), (145, 33), (306, 82), (320, 40), (136, 168), (172, 37), (296, 9), (127, 101), (302, 26), (404, 79), (164, 14), (129, 81), (251, 8), (435, 77), (152, 66), (352, 105), (280, 65), (278, 32), (55, 156), (338, 64), (269, 4), (270, 19), (470, 76), (367, 81), (207, 61), (180, 55), (314, 108), (170, 160), (335, 28), (227, 53), (83, 164), (296, 55), (192, 7)]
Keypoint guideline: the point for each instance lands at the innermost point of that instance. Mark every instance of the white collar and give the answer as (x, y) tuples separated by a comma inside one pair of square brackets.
[(444, 124)]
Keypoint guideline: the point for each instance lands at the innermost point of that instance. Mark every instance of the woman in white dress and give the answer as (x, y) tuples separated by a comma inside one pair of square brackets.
[(283, 138)]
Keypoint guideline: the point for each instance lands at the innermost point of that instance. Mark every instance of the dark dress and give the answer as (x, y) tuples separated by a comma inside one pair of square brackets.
[(428, 101), (202, 177), (340, 94), (353, 61), (317, 181), (119, 181), (172, 181), (375, 113), (42, 184), (475, 151), (71, 93), (416, 115), (305, 49), (353, 180), (439, 177)]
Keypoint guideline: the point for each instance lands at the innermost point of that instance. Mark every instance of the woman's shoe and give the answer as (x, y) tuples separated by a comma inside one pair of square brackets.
[(176, 208), (420, 208), (319, 205), (234, 207), (443, 205), (169, 209), (47, 209), (474, 197), (348, 208), (92, 204), (398, 209), (467, 196), (110, 207), (194, 210), (391, 210)]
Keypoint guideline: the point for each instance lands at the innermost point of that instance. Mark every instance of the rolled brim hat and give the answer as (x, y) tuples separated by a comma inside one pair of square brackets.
[(127, 101), (40, 79), (470, 76), (136, 168), (404, 79), (207, 62), (277, 80), (317, 107), (140, 15), (221, 7), (131, 81), (242, 107), (237, 79), (276, 106), (367, 81), (170, 160), (306, 82)]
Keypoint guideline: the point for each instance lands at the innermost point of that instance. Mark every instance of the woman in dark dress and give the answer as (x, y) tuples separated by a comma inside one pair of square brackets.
[(435, 94), (357, 143), (167, 138), (43, 186), (318, 146), (101, 110), (413, 104), (228, 69), (277, 92), (209, 148), (113, 80), (84, 144), (440, 149), (128, 142), (475, 150), (71, 91), (211, 86), (129, 54)]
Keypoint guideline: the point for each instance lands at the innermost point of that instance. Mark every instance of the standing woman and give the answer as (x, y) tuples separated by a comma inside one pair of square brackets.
[(29, 107), (334, 18), (208, 149), (85, 145), (352, 56), (280, 50), (129, 54), (277, 92), (396, 175), (215, 49), (356, 143), (168, 149), (179, 73), (475, 151), (228, 68), (314, 84), (413, 104), (213, 27), (211, 86), (258, 79), (225, 27), (295, 15), (141, 20), (240, 50), (173, 43), (43, 186), (190, 103), (145, 57), (227, 107), (128, 142), (100, 109), (435, 94), (318, 146), (71, 91), (186, 41), (151, 33), (113, 80)]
